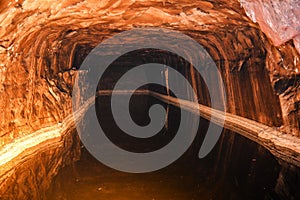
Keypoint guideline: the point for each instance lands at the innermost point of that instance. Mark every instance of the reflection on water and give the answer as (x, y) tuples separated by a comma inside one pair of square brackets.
[(235, 169), (89, 179)]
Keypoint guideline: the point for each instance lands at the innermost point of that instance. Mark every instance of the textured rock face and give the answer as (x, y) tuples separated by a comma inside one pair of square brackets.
[(42, 44), (278, 19)]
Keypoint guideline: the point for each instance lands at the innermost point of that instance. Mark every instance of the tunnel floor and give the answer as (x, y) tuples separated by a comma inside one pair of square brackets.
[(186, 179)]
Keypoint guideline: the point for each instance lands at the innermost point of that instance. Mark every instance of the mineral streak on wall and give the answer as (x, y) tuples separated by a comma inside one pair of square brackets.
[(42, 43), (280, 21)]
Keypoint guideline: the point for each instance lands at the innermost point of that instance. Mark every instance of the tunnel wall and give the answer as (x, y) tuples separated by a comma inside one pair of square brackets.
[(42, 44), (39, 42)]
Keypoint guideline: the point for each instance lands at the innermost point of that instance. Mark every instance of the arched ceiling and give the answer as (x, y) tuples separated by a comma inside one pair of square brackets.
[(42, 42)]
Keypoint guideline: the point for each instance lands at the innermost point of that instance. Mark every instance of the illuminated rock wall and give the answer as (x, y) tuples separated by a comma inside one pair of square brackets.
[(42, 44)]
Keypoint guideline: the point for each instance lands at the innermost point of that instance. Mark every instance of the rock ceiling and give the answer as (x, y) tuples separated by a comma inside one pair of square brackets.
[(43, 42), (39, 40)]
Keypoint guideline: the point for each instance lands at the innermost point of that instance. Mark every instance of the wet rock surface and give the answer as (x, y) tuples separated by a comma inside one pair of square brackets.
[(42, 44), (34, 170)]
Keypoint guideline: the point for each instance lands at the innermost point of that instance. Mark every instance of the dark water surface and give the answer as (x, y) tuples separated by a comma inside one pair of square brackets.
[(236, 168)]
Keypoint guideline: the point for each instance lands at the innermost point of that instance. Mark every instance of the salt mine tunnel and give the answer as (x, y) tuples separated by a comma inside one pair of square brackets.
[(255, 46)]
